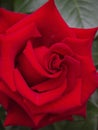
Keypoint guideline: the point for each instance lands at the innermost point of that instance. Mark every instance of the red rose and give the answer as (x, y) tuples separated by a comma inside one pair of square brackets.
[(46, 68)]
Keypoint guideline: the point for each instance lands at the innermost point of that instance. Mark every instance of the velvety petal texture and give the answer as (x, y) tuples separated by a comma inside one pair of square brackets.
[(47, 72), (8, 18)]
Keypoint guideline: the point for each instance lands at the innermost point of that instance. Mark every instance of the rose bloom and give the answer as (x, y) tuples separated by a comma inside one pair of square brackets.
[(46, 69)]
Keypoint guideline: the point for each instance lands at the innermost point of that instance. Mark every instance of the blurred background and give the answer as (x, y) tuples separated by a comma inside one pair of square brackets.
[(77, 13)]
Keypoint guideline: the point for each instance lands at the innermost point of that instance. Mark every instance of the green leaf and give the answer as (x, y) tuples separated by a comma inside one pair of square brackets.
[(82, 125), (2, 114), (27, 5), (1, 126), (92, 110), (95, 51), (19, 128), (2, 117), (8, 4), (78, 13), (94, 98), (50, 127)]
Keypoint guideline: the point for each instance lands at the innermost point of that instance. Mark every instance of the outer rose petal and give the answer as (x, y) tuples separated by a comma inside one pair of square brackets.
[(89, 79), (8, 18), (81, 111), (68, 115), (17, 116), (40, 99), (79, 46), (82, 49), (85, 33), (4, 100), (53, 28), (11, 44), (97, 78), (50, 119), (66, 102), (82, 44), (17, 98)]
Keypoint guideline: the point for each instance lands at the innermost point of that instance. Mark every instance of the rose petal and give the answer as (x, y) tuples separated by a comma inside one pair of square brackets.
[(79, 46), (82, 48), (74, 71), (96, 78), (62, 49), (37, 119), (89, 78), (82, 45), (41, 53), (80, 111), (29, 65), (31, 68), (8, 18), (11, 44), (51, 84), (17, 98), (67, 115), (50, 119), (82, 33), (38, 99), (53, 28), (66, 102), (17, 116), (4, 100)]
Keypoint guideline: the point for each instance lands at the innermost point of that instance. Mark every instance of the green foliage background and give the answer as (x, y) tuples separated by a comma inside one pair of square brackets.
[(77, 13)]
